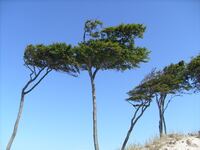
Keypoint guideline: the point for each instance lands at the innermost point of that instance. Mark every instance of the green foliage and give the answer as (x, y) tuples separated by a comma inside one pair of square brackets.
[(124, 34), (57, 56), (171, 80), (194, 72), (92, 28), (97, 54), (111, 48), (145, 90)]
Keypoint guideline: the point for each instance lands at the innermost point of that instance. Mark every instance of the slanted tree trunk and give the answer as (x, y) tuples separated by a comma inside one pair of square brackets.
[(17, 121), (24, 92), (134, 120), (95, 135)]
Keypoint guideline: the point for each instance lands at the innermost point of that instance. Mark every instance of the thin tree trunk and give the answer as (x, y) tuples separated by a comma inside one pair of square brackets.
[(95, 137), (23, 93), (16, 122), (165, 127), (163, 114), (160, 108), (161, 123), (134, 120), (129, 131)]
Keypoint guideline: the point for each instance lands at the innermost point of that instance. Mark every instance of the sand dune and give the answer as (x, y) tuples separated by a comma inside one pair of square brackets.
[(171, 142)]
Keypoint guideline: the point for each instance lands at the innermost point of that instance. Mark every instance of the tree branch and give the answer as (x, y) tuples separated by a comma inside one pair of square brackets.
[(32, 70), (32, 79), (47, 71), (170, 101), (95, 72)]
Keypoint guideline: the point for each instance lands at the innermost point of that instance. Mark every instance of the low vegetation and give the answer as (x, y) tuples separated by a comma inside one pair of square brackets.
[(171, 141)]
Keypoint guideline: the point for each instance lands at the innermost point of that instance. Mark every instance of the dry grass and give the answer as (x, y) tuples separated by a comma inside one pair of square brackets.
[(157, 143), (134, 147)]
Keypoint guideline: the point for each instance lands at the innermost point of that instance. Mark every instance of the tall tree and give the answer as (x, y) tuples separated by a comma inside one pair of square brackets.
[(40, 60), (108, 48), (140, 98), (193, 69)]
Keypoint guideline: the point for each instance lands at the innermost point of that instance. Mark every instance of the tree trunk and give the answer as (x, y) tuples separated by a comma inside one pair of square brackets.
[(160, 122), (128, 135), (161, 107), (16, 122), (134, 120), (165, 127), (95, 137)]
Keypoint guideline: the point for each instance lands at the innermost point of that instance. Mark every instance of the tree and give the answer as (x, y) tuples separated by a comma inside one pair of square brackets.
[(159, 85), (140, 98), (40, 60), (106, 49), (193, 69), (168, 83), (172, 81)]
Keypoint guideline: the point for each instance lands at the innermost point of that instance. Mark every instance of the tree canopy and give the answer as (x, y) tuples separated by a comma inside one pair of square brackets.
[(194, 72), (171, 80), (57, 56), (145, 90), (112, 47), (108, 48)]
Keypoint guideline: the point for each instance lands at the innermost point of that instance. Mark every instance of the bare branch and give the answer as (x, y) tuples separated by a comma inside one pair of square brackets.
[(135, 119), (157, 101), (33, 79), (95, 72), (34, 70), (47, 71), (169, 100)]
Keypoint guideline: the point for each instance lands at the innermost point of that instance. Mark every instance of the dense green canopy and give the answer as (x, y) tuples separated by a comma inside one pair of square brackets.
[(111, 48), (124, 34), (171, 80), (194, 72), (145, 90), (57, 56)]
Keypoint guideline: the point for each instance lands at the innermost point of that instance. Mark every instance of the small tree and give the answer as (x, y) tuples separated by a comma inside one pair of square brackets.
[(162, 85), (171, 82), (193, 70), (140, 98), (108, 48), (40, 60), (168, 83)]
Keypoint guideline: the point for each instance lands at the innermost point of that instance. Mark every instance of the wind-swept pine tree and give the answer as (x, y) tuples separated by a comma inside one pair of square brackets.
[(140, 98), (166, 84), (193, 69), (163, 86), (172, 81), (40, 60), (106, 49)]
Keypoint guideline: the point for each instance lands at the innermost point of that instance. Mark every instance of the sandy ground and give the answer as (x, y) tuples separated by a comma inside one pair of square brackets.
[(171, 142), (186, 143), (175, 142)]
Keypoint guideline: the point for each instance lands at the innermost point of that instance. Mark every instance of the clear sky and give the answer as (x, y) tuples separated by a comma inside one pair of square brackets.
[(58, 113)]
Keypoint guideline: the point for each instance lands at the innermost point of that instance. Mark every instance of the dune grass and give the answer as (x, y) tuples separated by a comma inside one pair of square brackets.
[(157, 143)]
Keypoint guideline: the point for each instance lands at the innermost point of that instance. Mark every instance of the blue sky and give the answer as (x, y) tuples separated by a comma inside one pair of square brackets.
[(58, 113)]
